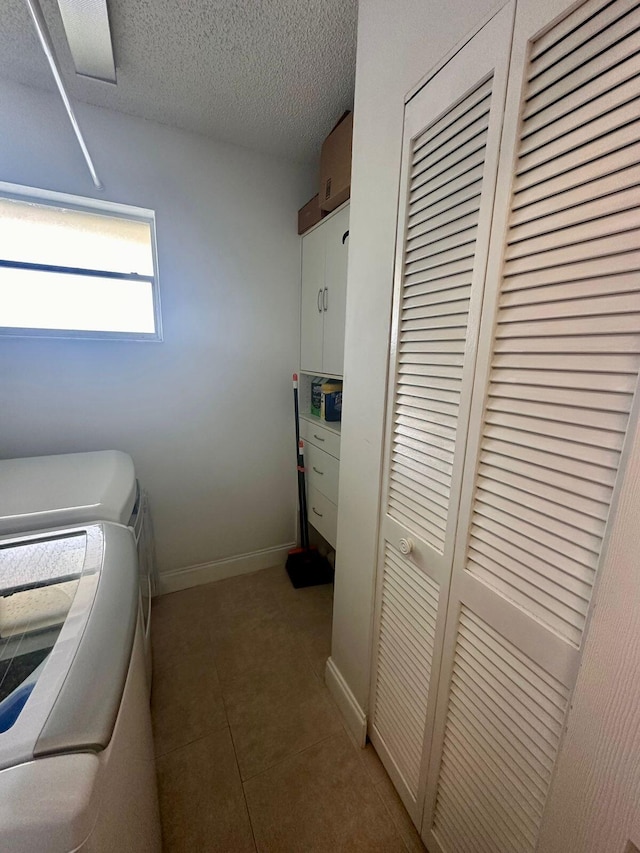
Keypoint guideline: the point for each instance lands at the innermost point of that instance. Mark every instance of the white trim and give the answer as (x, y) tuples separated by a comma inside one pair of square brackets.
[(354, 716), (452, 53), (83, 203), (220, 569), (98, 206)]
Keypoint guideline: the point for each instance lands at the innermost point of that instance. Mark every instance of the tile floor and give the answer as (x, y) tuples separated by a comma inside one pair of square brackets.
[(251, 751)]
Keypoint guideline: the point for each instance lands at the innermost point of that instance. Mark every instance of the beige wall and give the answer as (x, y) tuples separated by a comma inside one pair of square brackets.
[(207, 414), (397, 45)]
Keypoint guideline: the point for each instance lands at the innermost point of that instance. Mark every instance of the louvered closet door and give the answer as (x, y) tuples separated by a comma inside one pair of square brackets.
[(452, 130), (558, 362)]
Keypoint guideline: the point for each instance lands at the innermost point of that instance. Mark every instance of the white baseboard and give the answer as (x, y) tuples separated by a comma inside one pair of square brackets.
[(219, 569), (353, 714)]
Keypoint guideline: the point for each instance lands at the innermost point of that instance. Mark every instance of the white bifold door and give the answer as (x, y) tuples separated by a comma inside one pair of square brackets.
[(513, 381), (450, 161)]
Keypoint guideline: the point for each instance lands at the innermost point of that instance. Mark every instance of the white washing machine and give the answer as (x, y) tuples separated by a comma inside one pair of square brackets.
[(46, 492), (77, 767)]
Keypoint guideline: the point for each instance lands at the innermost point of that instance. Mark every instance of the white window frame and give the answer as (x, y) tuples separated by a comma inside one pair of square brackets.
[(35, 195)]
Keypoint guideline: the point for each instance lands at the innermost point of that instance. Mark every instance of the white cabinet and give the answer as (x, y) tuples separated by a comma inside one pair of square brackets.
[(324, 291), (322, 463)]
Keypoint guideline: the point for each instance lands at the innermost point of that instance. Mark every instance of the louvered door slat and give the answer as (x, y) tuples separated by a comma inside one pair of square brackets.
[(519, 506), (516, 748), (565, 27), (583, 270), (431, 188), (598, 152), (578, 397), (585, 297), (450, 121), (558, 369), (452, 219), (603, 458), (561, 194), (575, 221), (449, 152), (614, 219), (442, 458), (408, 612), (589, 101), (442, 241), (445, 157), (544, 147), (465, 187), (436, 292), (594, 476), (598, 37), (520, 494)]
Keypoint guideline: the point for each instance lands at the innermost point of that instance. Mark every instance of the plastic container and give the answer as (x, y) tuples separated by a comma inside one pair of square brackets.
[(331, 403), (316, 396)]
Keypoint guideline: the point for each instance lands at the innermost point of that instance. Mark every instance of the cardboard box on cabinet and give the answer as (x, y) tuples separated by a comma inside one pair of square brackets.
[(335, 164), (309, 215)]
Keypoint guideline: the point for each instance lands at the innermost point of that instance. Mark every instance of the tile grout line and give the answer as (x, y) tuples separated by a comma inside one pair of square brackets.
[(287, 757), (391, 817), (235, 755), (193, 740), (244, 793)]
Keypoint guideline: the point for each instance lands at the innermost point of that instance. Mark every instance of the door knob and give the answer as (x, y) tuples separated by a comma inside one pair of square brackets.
[(406, 546)]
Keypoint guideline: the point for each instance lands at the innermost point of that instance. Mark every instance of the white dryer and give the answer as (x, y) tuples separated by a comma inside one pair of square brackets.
[(46, 492), (77, 767)]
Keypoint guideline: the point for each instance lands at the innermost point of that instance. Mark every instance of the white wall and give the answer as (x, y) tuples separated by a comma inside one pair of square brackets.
[(207, 414), (397, 45)]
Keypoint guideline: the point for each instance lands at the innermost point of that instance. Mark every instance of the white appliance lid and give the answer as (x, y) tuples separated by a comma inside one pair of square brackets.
[(41, 492), (63, 664)]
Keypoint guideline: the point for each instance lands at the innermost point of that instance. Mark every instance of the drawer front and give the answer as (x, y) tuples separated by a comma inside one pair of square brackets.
[(323, 515), (322, 471), (323, 438)]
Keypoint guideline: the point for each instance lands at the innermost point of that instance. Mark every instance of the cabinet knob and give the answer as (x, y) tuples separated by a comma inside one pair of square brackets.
[(406, 546)]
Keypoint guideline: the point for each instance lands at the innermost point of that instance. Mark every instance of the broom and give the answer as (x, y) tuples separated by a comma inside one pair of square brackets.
[(305, 565)]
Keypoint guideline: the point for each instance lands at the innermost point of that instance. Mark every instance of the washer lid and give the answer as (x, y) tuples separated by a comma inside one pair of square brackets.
[(68, 615), (41, 492)]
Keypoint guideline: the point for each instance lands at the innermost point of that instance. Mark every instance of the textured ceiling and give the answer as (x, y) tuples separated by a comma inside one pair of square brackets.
[(272, 75)]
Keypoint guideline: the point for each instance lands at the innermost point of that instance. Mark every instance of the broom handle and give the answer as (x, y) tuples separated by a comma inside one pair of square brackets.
[(302, 491), (297, 410), (304, 521)]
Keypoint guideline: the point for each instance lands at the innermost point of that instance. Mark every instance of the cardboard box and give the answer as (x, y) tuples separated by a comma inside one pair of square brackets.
[(309, 215), (335, 164)]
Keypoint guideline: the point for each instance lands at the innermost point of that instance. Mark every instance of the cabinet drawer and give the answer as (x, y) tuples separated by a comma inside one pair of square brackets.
[(322, 437), (322, 471), (323, 515)]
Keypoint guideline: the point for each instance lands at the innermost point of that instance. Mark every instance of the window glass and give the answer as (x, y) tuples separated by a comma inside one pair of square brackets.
[(76, 271)]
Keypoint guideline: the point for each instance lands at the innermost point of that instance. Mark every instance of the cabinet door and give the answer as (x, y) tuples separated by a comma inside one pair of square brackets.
[(335, 296), (450, 161), (558, 362), (312, 310)]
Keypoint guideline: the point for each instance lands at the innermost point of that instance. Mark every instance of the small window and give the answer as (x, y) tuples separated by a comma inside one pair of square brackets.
[(75, 269)]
